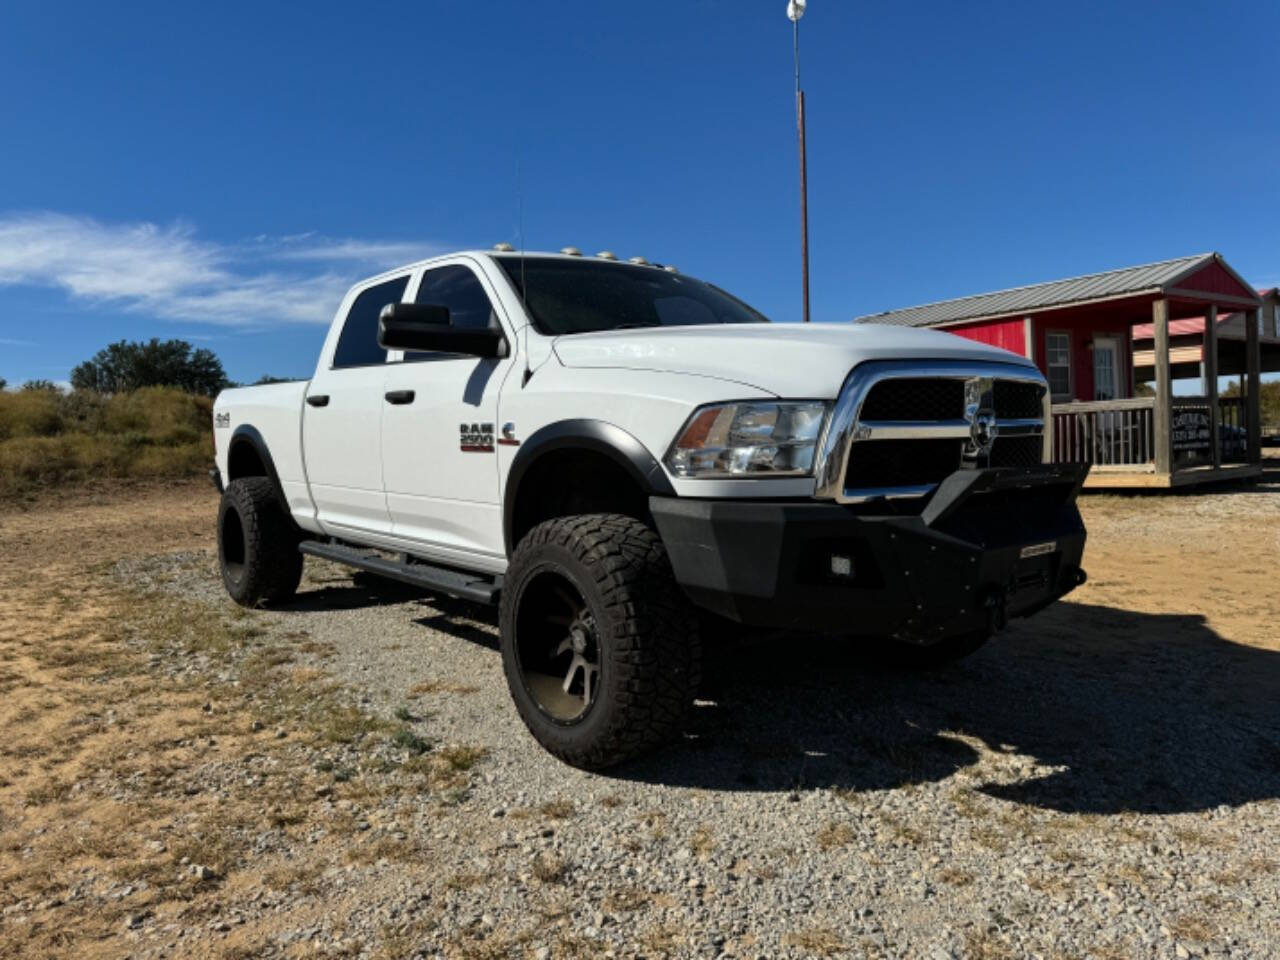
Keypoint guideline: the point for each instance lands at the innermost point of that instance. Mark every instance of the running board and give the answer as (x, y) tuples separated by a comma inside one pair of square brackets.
[(468, 586)]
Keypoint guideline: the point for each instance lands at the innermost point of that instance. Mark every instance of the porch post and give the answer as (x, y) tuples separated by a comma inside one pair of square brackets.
[(1254, 364), (1211, 379), (1162, 422)]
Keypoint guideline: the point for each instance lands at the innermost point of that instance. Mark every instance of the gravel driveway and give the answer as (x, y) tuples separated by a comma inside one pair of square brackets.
[(1097, 782)]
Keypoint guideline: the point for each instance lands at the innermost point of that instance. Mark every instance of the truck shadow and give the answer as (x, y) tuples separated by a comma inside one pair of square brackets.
[(1098, 709), (1117, 710)]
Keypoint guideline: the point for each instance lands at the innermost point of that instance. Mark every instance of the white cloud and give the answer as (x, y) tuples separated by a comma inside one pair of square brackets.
[(7, 342), (170, 273)]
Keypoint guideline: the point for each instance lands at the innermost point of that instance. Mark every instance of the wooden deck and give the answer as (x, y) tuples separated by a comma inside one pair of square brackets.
[(1140, 478)]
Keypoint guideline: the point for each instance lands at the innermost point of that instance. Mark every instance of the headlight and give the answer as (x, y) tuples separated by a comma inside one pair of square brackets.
[(749, 439)]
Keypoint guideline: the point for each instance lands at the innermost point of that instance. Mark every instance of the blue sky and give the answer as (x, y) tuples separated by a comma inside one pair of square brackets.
[(221, 172)]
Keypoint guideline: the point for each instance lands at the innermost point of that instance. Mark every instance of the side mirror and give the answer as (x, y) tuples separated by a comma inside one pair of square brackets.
[(426, 327)]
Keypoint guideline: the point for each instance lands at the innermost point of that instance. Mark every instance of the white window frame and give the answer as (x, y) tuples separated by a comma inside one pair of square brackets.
[(1048, 365)]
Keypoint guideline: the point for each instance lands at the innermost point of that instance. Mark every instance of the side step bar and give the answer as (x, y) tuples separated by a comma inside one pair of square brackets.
[(467, 586)]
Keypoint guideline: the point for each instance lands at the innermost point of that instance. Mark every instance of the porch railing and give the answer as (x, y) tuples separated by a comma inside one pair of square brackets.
[(1120, 434), (1233, 427), (1106, 433)]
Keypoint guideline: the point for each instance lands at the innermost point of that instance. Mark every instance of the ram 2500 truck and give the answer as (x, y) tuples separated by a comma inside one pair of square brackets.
[(617, 454)]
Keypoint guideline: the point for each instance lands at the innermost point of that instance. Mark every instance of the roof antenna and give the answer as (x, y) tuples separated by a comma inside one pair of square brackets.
[(524, 295)]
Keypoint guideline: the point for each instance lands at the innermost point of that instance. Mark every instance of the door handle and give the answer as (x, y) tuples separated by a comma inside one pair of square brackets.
[(399, 396), (318, 400)]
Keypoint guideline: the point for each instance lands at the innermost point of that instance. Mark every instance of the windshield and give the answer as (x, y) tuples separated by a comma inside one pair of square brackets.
[(581, 296)]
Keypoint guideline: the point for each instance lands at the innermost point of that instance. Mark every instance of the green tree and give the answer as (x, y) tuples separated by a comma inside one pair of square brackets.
[(41, 385), (127, 365), (3, 383)]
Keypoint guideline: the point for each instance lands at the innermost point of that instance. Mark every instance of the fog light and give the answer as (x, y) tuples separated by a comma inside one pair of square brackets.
[(841, 566)]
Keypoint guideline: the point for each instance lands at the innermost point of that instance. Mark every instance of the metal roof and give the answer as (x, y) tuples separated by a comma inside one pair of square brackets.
[(1149, 277)]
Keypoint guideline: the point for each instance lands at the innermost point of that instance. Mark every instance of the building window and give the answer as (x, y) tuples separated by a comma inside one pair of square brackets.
[(1057, 355)]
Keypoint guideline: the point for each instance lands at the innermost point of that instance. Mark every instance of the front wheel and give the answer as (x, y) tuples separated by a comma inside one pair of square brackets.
[(599, 645)]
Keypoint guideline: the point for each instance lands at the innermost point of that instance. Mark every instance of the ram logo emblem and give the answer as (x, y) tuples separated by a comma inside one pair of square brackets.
[(980, 414)]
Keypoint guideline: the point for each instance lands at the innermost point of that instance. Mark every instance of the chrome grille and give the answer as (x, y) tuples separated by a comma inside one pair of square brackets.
[(899, 428)]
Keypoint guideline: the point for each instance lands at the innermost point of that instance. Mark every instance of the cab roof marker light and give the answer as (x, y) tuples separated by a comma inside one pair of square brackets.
[(639, 261), (571, 251), (670, 269), (504, 248), (607, 255)]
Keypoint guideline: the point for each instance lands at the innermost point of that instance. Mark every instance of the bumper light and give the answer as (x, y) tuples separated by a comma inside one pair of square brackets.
[(749, 439)]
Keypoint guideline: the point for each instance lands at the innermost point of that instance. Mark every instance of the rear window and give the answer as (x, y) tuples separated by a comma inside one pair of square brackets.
[(358, 343)]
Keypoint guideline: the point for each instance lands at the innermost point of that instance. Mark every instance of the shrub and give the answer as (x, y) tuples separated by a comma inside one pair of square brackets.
[(30, 413), (47, 437)]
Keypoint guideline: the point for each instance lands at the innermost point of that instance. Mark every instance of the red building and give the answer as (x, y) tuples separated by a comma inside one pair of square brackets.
[(1080, 332)]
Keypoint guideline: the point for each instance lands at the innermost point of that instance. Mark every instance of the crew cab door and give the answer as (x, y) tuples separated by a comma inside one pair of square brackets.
[(440, 430), (341, 436)]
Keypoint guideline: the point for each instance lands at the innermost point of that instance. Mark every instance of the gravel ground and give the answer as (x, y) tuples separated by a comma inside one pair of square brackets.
[(1098, 782)]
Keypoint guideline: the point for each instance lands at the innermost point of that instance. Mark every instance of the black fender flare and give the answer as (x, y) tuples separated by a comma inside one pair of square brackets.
[(596, 436), (246, 434)]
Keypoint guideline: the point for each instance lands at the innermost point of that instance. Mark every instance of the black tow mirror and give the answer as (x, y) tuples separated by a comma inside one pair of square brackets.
[(426, 327)]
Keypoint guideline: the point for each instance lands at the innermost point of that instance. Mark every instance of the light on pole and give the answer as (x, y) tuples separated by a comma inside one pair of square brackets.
[(795, 10)]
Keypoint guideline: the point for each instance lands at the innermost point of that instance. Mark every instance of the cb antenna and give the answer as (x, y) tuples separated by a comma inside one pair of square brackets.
[(524, 294)]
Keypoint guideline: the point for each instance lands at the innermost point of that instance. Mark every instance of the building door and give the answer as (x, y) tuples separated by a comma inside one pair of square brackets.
[(1106, 371)]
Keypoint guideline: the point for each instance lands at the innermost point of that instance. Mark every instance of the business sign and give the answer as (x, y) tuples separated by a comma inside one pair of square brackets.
[(1190, 433)]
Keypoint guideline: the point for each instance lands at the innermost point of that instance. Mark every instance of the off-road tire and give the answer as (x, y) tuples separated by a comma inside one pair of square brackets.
[(257, 544), (650, 650), (915, 657)]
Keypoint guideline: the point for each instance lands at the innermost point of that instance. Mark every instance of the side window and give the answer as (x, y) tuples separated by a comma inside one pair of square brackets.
[(1057, 349), (358, 342), (459, 289)]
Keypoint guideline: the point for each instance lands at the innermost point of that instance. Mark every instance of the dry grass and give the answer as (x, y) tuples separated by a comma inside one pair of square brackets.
[(548, 868), (1195, 929), (51, 438), (816, 941), (123, 771), (955, 877), (834, 834), (557, 809), (440, 686)]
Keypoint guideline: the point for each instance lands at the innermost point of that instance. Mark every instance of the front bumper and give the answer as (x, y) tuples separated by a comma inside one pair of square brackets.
[(988, 545)]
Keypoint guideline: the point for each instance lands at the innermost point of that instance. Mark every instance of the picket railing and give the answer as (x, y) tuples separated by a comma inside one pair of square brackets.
[(1105, 432)]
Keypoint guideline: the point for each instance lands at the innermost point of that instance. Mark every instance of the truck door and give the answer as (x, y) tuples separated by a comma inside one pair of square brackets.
[(439, 432), (341, 439)]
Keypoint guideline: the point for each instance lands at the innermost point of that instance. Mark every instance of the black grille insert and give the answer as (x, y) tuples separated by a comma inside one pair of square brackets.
[(1017, 451), (901, 463), (1016, 400), (915, 398)]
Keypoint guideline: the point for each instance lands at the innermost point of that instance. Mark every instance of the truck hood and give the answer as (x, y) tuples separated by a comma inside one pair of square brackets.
[(786, 359)]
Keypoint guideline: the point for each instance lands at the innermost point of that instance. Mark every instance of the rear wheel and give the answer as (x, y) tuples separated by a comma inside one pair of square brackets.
[(599, 645), (257, 544)]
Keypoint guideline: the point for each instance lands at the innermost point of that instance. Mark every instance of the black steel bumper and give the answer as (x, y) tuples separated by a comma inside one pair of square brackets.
[(988, 545)]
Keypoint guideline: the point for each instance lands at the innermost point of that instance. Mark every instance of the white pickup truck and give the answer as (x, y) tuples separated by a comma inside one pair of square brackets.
[(619, 455)]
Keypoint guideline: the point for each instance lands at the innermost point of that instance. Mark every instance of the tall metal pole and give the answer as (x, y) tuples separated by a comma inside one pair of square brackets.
[(804, 177)]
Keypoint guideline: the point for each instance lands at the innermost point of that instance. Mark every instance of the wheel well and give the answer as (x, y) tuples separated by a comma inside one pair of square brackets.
[(243, 460), (567, 482)]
